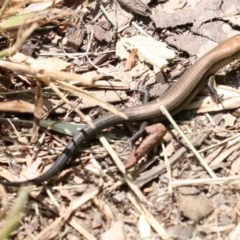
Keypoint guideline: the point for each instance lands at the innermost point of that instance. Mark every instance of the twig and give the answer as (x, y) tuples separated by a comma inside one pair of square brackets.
[(4, 6), (15, 214), (121, 167), (106, 15), (168, 169), (141, 30), (193, 149), (77, 54)]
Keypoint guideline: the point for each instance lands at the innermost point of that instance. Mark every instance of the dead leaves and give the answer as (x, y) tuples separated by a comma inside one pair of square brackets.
[(155, 133), (151, 210)]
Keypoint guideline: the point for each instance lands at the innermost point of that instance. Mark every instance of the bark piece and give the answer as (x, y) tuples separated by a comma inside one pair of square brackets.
[(76, 33), (136, 6)]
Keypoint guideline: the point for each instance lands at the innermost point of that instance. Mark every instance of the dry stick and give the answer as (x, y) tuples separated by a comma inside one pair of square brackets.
[(24, 32), (4, 6), (76, 223), (149, 217), (79, 55), (100, 13), (50, 84), (106, 15), (168, 169), (65, 216), (20, 40), (234, 138), (115, 27), (208, 181), (89, 60), (4, 202), (75, 90), (121, 167), (156, 171), (141, 30), (196, 153), (15, 214), (35, 71), (53, 3)]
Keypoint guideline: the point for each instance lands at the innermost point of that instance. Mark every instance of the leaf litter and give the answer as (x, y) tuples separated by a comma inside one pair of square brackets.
[(78, 51)]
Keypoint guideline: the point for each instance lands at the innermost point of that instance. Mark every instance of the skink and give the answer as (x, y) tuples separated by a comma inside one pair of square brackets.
[(175, 99)]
